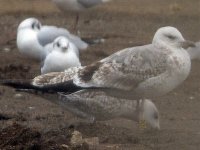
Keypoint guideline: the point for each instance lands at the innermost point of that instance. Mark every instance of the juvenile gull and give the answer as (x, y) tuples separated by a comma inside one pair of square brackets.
[(133, 73), (94, 105), (63, 56), (32, 37)]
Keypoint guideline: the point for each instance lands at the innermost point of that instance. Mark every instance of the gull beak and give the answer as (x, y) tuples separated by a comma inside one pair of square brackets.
[(65, 47), (158, 127), (186, 44)]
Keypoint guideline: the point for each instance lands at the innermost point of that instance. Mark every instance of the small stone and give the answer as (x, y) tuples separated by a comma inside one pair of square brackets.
[(77, 138), (19, 96), (191, 97), (112, 146), (99, 41), (6, 49), (64, 146), (130, 42), (92, 141), (31, 108)]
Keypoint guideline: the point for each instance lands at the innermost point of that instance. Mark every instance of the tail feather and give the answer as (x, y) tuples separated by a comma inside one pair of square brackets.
[(18, 84), (68, 86)]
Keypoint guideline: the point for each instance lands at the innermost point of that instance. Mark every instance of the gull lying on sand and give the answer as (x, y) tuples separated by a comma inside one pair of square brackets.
[(63, 56), (94, 105), (32, 37)]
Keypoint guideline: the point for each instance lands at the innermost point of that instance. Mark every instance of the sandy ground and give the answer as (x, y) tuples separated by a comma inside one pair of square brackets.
[(30, 122)]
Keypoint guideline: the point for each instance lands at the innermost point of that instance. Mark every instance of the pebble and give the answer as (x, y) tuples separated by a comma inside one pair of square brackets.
[(94, 141), (6, 49), (191, 97), (31, 108), (19, 96), (76, 138), (65, 146)]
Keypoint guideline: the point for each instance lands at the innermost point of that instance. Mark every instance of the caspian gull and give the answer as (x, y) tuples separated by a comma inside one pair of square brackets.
[(133, 73), (32, 37), (64, 55)]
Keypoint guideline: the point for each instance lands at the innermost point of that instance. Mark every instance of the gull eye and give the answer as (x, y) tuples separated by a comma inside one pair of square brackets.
[(171, 37), (58, 44), (155, 115), (38, 26), (33, 25)]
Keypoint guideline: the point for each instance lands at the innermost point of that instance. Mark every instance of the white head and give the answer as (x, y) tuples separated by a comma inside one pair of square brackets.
[(170, 37), (30, 23), (151, 114), (61, 44)]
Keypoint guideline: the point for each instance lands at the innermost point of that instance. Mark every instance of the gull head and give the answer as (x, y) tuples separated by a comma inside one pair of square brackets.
[(30, 23), (61, 44), (151, 114), (171, 37)]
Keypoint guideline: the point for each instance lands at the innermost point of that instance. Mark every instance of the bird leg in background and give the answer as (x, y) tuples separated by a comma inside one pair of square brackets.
[(140, 108), (76, 23), (142, 124)]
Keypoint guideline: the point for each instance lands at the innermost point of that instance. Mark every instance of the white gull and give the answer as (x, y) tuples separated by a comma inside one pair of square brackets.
[(64, 55), (32, 37)]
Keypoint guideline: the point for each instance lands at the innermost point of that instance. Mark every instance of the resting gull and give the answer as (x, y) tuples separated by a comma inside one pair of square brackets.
[(94, 105), (63, 56), (133, 73), (32, 37)]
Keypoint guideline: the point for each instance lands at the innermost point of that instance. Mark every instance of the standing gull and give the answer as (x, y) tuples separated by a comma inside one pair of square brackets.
[(63, 56), (133, 73), (77, 6), (32, 37)]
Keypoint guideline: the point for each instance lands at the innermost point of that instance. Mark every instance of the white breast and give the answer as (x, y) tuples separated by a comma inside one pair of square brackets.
[(179, 66)]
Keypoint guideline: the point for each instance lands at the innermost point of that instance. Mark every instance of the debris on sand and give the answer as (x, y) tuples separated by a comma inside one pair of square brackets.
[(77, 138), (17, 136)]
